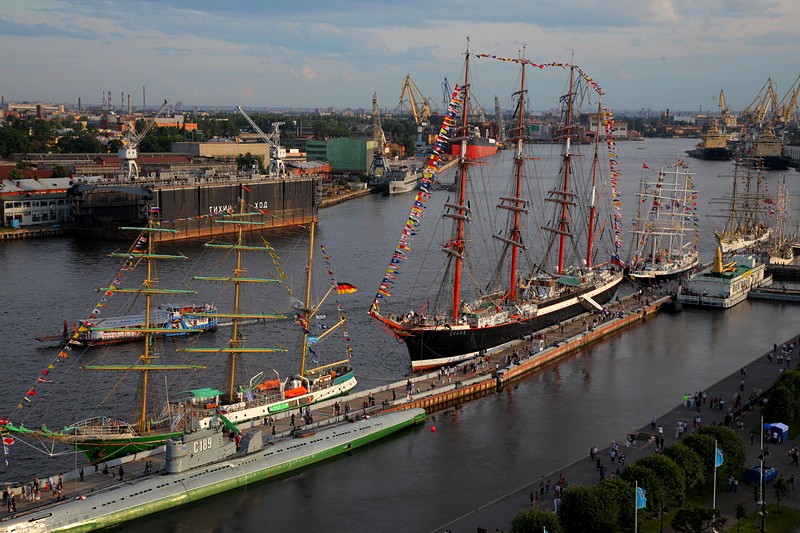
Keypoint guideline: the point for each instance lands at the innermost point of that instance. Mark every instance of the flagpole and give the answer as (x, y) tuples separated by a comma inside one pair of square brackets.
[(636, 507), (714, 499)]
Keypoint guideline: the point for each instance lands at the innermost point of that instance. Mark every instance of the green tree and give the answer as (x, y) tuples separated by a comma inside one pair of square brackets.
[(60, 171), (733, 449), (42, 134), (79, 144), (114, 146), (784, 398), (583, 509), (13, 140), (781, 491), (696, 520), (619, 496), (533, 520), (249, 160), (672, 477), (741, 512), (703, 445), (689, 462)]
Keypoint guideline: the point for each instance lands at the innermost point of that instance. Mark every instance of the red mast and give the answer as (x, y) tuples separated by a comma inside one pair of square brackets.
[(565, 195), (456, 245), (516, 204)]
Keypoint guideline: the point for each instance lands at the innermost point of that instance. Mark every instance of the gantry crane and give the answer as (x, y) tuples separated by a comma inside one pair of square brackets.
[(130, 145), (277, 167)]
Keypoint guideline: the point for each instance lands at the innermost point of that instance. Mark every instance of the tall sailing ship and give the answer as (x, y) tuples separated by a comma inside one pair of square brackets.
[(780, 250), (469, 315), (105, 437), (665, 232), (745, 210)]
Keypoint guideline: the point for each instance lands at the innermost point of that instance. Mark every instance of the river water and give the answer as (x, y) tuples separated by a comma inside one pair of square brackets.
[(418, 480)]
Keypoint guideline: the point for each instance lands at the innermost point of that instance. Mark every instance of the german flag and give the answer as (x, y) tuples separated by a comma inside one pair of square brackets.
[(345, 288)]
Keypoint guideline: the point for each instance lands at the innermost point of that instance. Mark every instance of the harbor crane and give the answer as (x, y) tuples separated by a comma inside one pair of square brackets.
[(277, 154), (498, 117), (380, 165), (411, 99), (130, 146), (757, 113), (787, 107), (724, 110)]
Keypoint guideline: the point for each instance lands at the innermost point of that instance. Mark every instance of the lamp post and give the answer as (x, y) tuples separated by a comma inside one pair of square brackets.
[(761, 472)]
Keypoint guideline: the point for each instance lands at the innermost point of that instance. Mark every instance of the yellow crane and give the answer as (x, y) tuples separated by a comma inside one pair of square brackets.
[(787, 107), (724, 110), (411, 99), (757, 113)]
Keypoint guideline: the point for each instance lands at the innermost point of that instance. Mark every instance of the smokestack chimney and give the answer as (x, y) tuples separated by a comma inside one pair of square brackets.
[(80, 107), (129, 103), (144, 100)]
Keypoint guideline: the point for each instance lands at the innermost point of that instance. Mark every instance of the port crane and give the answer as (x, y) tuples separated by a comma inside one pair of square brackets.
[(130, 146), (787, 107), (757, 114), (380, 165), (277, 154), (724, 110), (498, 117), (411, 99)]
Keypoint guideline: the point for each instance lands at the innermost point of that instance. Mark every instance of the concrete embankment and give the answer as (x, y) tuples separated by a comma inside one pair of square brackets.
[(32, 233), (754, 380)]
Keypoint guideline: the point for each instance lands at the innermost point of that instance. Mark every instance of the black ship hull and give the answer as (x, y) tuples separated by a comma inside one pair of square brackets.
[(190, 207), (775, 162), (431, 348), (711, 154)]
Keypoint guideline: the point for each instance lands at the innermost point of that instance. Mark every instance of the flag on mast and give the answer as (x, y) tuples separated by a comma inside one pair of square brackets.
[(641, 499)]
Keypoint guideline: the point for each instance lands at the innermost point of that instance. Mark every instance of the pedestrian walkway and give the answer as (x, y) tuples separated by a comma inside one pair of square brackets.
[(757, 378)]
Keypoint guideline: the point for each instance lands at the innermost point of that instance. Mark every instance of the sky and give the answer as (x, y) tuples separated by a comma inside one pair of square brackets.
[(644, 54)]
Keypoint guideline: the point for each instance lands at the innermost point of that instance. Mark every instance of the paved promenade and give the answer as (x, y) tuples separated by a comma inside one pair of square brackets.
[(760, 374)]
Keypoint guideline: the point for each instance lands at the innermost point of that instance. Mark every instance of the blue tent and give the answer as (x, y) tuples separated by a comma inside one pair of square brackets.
[(776, 432)]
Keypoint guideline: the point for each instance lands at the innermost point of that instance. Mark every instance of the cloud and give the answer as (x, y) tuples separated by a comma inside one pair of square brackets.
[(19, 29), (320, 53)]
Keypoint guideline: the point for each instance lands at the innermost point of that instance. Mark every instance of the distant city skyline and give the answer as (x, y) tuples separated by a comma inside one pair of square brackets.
[(646, 54)]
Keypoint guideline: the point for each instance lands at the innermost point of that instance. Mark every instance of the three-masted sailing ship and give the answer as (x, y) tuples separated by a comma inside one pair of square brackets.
[(474, 312), (259, 397), (665, 232), (745, 210), (102, 438)]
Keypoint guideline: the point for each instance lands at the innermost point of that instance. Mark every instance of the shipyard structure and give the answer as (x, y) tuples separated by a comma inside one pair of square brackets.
[(188, 206)]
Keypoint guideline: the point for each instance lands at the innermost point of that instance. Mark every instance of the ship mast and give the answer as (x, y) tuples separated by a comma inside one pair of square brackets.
[(149, 289), (311, 309), (562, 196), (593, 201), (455, 247), (517, 205), (307, 306), (236, 343)]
